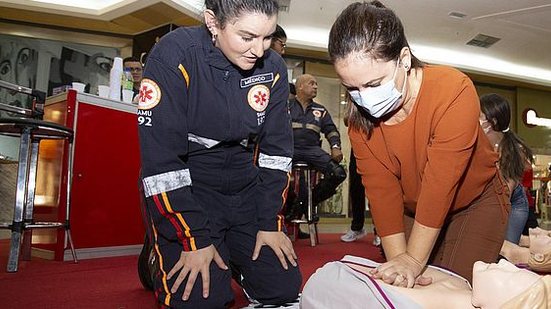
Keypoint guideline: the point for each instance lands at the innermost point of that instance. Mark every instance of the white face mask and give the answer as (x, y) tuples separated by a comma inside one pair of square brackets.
[(381, 100), (486, 128)]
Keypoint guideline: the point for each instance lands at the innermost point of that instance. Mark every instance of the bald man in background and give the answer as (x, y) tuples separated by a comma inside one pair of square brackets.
[(309, 120)]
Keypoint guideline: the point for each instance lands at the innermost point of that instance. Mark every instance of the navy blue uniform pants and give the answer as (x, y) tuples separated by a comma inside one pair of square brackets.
[(334, 174), (232, 219)]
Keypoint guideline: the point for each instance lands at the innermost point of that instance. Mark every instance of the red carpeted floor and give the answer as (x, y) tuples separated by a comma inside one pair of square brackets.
[(113, 282)]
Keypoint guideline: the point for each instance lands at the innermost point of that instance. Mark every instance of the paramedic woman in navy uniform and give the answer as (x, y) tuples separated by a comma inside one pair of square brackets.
[(216, 149)]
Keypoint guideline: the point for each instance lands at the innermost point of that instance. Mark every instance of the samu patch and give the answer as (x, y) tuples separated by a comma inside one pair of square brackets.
[(258, 97), (150, 94)]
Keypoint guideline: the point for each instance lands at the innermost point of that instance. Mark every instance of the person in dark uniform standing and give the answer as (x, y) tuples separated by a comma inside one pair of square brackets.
[(216, 158), (279, 40), (309, 120)]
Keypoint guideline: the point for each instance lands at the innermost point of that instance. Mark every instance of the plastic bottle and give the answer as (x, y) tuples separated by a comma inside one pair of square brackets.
[(127, 79), (115, 79), (127, 86)]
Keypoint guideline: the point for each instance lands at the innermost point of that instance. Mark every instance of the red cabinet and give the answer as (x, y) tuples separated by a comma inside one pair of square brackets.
[(105, 211)]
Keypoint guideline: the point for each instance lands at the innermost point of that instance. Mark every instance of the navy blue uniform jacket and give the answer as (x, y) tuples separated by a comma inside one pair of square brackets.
[(195, 107), (308, 124)]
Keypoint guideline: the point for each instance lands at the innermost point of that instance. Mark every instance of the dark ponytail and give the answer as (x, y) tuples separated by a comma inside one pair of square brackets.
[(514, 152)]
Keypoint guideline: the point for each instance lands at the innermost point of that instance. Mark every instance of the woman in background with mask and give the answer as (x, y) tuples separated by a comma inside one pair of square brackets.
[(430, 173), (514, 157)]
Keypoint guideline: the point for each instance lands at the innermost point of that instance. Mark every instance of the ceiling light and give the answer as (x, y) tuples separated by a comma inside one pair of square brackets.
[(457, 15), (84, 4), (533, 119), (476, 61)]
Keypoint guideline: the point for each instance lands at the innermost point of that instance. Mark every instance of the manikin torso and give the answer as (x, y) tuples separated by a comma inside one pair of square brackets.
[(493, 286)]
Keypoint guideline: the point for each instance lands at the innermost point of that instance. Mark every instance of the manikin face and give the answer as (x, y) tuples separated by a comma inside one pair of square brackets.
[(539, 232), (244, 39), (495, 284), (540, 242)]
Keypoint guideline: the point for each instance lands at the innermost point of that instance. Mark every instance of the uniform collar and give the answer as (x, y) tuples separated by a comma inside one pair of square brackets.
[(308, 105), (213, 55)]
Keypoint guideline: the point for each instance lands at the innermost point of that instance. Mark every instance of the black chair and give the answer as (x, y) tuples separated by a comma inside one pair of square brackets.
[(303, 169), (30, 132)]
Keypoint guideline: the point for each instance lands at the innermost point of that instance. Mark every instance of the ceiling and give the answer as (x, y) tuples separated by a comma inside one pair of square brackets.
[(523, 27)]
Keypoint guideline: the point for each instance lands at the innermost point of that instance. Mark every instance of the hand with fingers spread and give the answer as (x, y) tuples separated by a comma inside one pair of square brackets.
[(280, 244), (193, 263), (403, 270)]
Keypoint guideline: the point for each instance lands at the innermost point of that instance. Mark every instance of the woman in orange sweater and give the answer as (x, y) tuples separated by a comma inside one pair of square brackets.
[(430, 173)]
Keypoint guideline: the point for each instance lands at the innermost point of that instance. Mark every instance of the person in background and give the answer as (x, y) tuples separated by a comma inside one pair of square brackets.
[(292, 91), (514, 158), (429, 171), (279, 40), (527, 184), (136, 69), (356, 194), (213, 189), (309, 120)]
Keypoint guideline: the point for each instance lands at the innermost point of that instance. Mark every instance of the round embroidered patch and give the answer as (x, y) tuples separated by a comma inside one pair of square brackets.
[(150, 94), (258, 97), (316, 113)]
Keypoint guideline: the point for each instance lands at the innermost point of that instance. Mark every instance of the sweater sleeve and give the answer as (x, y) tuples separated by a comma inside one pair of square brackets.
[(454, 135), (382, 187)]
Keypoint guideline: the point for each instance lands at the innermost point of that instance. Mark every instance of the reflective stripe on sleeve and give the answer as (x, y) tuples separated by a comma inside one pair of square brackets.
[(297, 125), (165, 182), (313, 127), (333, 134), (275, 162), (207, 142)]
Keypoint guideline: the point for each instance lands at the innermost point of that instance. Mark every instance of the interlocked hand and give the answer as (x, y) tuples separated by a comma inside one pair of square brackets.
[(403, 270)]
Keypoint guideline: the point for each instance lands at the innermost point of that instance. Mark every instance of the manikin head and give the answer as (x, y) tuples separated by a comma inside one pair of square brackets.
[(540, 250), (495, 284)]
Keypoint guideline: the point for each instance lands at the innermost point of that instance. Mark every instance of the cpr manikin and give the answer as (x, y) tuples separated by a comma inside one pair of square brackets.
[(534, 250), (496, 284), (347, 284)]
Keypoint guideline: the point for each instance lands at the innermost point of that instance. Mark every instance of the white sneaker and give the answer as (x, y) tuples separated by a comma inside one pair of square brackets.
[(291, 305), (351, 235), (377, 241)]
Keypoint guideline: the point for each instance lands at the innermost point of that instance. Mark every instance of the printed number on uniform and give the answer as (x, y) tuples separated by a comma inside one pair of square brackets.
[(143, 120)]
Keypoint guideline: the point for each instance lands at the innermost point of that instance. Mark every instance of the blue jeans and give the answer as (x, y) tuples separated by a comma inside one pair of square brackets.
[(518, 215)]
